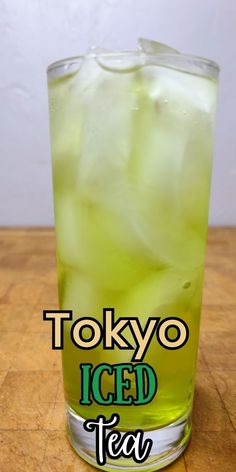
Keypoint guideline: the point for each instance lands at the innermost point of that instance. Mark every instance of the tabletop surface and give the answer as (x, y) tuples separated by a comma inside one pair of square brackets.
[(32, 422)]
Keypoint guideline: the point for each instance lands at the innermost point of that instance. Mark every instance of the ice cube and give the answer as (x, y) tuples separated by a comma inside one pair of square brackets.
[(87, 241), (105, 139), (80, 293), (154, 166), (164, 294), (150, 47), (178, 88), (121, 63), (105, 142)]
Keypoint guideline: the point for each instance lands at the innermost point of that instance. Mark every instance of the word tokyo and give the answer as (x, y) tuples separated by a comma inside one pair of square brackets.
[(109, 333)]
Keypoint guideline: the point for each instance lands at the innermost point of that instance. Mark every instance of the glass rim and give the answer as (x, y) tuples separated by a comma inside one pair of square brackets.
[(164, 59)]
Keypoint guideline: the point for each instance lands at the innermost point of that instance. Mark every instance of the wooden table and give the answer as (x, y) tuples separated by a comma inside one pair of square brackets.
[(32, 430)]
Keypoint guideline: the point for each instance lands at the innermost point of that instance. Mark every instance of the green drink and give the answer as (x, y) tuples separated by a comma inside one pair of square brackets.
[(131, 151)]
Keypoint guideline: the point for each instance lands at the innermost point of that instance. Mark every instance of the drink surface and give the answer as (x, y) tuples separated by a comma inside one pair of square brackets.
[(132, 156)]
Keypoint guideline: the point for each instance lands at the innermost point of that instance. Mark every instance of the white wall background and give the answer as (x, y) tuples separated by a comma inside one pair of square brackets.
[(34, 33)]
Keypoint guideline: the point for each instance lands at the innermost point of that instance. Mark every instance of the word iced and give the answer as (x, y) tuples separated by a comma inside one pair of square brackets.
[(144, 378), (110, 332)]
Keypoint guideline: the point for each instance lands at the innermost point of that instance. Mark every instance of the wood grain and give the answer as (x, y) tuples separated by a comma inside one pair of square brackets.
[(32, 420)]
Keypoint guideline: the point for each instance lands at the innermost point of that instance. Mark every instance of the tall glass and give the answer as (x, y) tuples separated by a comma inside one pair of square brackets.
[(131, 138)]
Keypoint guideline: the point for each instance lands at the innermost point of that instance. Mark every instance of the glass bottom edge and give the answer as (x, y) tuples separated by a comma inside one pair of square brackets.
[(169, 443)]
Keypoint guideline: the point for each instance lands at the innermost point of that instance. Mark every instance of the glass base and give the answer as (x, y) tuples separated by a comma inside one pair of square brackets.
[(168, 444)]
